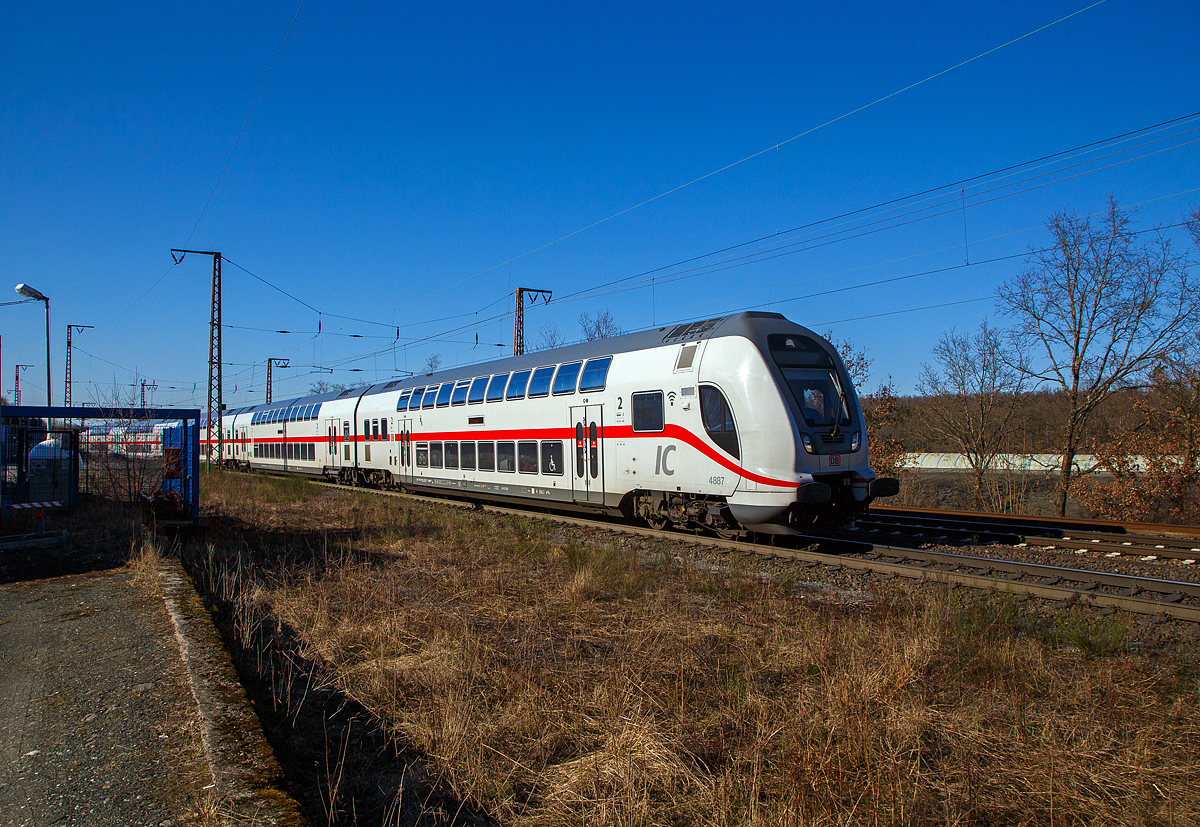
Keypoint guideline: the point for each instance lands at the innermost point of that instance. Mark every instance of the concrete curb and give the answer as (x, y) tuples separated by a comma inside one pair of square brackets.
[(248, 777)]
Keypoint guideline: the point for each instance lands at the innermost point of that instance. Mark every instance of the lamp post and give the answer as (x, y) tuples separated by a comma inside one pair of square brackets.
[(30, 293)]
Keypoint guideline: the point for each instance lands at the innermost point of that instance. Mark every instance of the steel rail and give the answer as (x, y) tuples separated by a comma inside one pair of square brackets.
[(1045, 523), (1085, 596)]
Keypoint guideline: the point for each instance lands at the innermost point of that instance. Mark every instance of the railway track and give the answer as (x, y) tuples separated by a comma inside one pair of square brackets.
[(1087, 587), (1049, 534)]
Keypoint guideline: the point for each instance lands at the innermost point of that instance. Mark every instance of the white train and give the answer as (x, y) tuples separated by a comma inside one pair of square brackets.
[(742, 423)]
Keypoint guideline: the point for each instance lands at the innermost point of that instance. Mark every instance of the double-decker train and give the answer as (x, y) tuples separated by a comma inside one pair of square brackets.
[(742, 423)]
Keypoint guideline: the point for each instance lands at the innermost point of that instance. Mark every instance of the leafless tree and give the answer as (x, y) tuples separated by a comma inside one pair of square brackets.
[(973, 394), (881, 410), (549, 336), (600, 326), (325, 386), (431, 363), (1097, 310)]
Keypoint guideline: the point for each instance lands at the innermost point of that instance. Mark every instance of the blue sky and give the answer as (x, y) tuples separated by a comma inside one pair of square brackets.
[(410, 166)]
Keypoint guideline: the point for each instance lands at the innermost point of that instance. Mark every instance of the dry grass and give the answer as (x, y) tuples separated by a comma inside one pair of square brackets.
[(555, 680)]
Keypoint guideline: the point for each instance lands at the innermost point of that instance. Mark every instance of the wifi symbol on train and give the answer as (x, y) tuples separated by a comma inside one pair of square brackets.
[(671, 397)]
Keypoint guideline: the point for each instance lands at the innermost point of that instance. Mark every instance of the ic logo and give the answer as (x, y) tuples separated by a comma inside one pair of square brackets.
[(660, 462)]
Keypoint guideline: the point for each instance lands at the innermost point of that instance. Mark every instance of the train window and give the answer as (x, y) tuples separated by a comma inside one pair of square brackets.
[(527, 457), (375, 429), (791, 350), (422, 454), (450, 455), (435, 455), (443, 395), (310, 411), (687, 355), (460, 393), (478, 389), (647, 411), (495, 391), (346, 430), (415, 401), (539, 385), (564, 380), (402, 402), (718, 420), (430, 397), (516, 385), (595, 374), (487, 456), (506, 457), (552, 458), (819, 396), (317, 410), (466, 456), (366, 429), (383, 434)]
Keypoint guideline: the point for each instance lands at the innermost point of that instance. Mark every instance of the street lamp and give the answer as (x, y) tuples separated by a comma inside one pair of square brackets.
[(30, 293)]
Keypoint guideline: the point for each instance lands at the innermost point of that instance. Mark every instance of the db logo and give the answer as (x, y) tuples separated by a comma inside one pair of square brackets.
[(835, 460)]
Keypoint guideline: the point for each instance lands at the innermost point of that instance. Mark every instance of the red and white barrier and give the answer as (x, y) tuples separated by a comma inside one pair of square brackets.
[(53, 504)]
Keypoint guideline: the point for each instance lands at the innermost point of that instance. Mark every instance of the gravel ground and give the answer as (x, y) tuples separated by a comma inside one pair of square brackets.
[(98, 724)]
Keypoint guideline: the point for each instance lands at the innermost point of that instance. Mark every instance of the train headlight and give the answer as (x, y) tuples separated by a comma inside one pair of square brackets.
[(855, 439), (807, 440)]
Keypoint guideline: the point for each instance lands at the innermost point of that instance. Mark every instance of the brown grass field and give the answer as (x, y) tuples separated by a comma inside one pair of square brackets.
[(552, 677)]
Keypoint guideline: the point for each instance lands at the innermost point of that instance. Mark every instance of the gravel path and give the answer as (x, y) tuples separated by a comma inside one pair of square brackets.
[(97, 727)]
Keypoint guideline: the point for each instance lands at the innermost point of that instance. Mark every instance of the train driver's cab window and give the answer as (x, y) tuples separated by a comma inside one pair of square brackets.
[(595, 374), (718, 420), (647, 411), (819, 396)]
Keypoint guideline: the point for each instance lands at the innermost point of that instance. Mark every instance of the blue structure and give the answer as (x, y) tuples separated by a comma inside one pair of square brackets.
[(181, 447)]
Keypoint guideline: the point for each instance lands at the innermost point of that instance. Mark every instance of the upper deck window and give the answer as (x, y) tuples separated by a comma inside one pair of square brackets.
[(595, 374), (564, 380), (495, 391), (478, 388), (402, 402), (516, 385), (443, 396), (430, 397), (460, 393), (539, 385)]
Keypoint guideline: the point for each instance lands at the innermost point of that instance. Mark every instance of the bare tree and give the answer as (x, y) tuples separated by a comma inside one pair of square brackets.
[(881, 409), (431, 363), (325, 386), (601, 326), (973, 394), (1097, 309), (549, 336)]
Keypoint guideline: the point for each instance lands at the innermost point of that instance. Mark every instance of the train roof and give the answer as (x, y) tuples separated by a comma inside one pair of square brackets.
[(748, 325)]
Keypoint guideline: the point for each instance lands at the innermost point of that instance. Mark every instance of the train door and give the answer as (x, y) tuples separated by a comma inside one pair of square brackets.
[(587, 478), (406, 450), (331, 444)]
